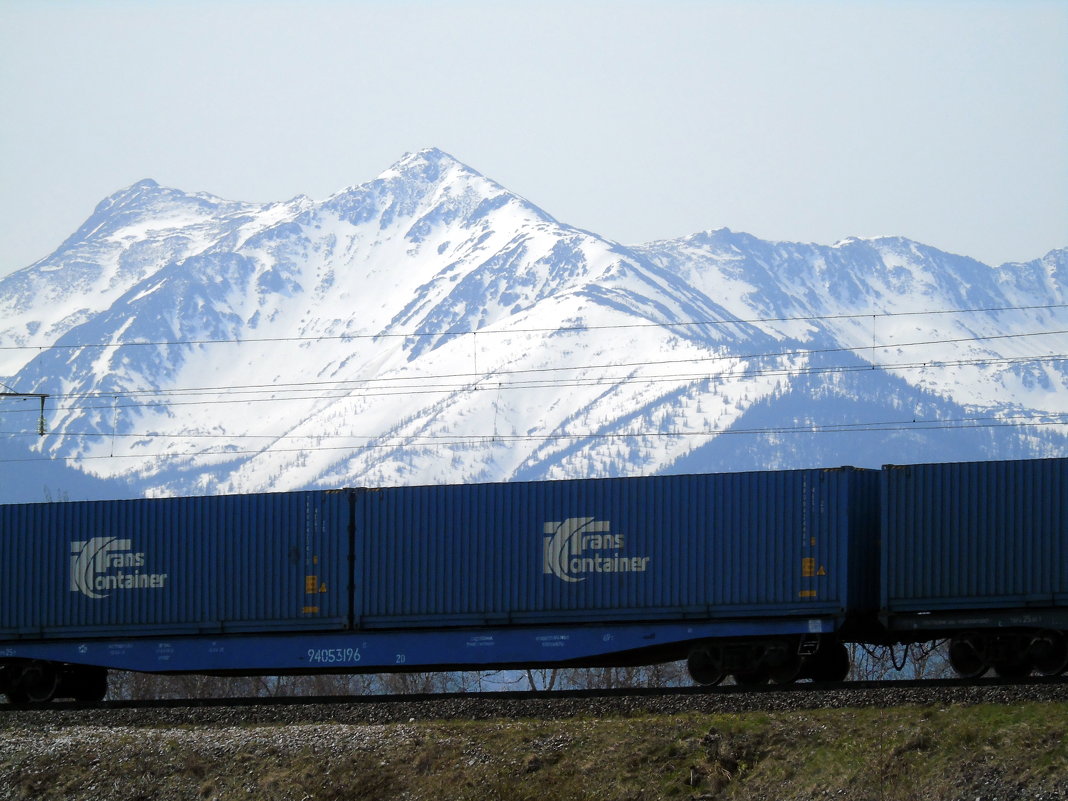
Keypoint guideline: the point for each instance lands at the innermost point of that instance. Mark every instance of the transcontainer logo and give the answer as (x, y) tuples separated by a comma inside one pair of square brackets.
[(582, 545), (104, 564)]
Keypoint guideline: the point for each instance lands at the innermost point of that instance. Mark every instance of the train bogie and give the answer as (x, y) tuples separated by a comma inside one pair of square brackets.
[(34, 681), (1012, 653), (779, 660)]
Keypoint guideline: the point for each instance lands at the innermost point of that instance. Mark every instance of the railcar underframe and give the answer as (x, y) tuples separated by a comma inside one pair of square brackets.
[(752, 650), (1012, 642)]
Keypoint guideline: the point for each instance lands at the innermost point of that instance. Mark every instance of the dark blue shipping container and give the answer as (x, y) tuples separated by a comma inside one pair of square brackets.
[(797, 542), (702, 547), (180, 565), (975, 535)]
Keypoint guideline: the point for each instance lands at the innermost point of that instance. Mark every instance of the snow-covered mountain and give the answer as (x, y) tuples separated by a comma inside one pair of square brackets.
[(430, 326)]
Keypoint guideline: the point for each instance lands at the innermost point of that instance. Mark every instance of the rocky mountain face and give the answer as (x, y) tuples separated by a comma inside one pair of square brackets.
[(430, 326)]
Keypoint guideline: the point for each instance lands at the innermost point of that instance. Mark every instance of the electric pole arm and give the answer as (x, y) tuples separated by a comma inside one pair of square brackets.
[(41, 419)]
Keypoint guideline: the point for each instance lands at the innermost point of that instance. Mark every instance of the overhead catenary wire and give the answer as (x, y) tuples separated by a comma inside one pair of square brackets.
[(533, 329), (342, 393), (342, 383), (399, 441), (472, 382), (1042, 418), (557, 377)]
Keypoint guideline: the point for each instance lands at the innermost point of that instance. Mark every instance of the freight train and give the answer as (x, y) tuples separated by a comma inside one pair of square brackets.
[(762, 576)]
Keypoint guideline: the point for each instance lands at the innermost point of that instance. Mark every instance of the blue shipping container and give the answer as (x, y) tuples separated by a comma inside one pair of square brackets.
[(667, 547), (178, 565), (975, 535)]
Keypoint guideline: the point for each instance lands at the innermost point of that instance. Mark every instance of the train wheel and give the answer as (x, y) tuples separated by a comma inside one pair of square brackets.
[(754, 678), (704, 669), (965, 659), (37, 684), (1049, 653), (788, 671)]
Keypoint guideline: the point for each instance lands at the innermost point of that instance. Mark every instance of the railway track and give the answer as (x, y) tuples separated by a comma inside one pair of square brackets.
[(559, 704)]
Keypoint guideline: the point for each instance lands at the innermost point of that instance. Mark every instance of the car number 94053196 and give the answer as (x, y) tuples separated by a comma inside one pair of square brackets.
[(331, 656)]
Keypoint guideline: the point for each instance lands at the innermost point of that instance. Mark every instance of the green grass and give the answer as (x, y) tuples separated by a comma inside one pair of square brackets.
[(878, 754)]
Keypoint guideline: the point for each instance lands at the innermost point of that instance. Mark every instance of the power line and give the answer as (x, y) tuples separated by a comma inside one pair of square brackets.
[(490, 439), (343, 383), (378, 391), (1042, 418), (563, 329), (629, 380)]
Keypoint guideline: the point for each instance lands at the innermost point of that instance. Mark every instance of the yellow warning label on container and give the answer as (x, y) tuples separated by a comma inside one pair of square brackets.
[(807, 594), (808, 567), (311, 610), (311, 585)]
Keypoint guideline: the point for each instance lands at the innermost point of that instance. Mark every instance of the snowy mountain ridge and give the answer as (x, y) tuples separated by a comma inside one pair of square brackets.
[(430, 326)]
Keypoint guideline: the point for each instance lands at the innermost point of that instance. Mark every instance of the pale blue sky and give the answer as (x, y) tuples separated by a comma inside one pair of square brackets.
[(946, 122)]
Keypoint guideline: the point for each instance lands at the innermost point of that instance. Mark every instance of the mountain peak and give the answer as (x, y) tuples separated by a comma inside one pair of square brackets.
[(144, 187), (428, 165), (429, 155)]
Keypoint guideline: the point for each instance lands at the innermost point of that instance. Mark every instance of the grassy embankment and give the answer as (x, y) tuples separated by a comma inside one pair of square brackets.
[(925, 753)]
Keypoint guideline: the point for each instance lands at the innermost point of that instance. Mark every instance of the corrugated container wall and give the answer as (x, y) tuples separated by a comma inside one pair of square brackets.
[(207, 564), (975, 535), (725, 545)]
